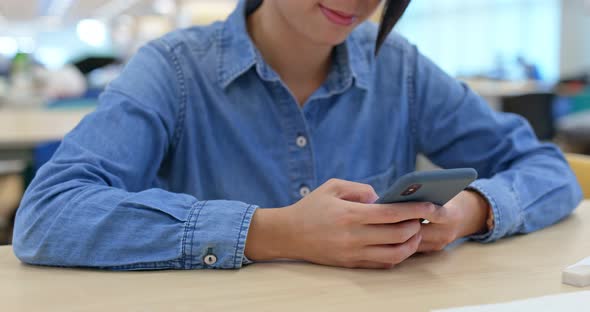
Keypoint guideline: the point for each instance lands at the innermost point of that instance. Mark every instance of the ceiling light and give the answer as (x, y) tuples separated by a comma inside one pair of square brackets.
[(93, 32), (164, 7), (8, 46), (51, 57), (26, 44)]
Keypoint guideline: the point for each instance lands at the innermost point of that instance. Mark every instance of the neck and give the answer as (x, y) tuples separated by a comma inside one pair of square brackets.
[(302, 65)]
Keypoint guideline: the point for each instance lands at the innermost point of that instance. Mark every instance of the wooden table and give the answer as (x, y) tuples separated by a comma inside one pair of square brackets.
[(21, 130), (516, 268)]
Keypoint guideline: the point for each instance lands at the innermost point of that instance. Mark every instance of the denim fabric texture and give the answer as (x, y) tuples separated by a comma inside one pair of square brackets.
[(198, 132)]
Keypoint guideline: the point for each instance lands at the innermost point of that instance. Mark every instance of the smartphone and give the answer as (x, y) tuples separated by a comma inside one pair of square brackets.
[(437, 187)]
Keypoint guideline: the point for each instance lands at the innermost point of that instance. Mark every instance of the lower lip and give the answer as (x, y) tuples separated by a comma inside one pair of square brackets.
[(337, 18)]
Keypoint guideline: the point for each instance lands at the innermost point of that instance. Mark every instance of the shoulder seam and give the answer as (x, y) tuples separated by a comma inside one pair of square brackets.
[(412, 97), (182, 94)]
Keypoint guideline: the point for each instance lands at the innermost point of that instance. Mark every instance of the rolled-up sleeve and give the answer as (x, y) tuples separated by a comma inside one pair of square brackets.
[(528, 184)]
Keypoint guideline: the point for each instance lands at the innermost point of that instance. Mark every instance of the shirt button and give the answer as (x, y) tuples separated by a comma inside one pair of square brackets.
[(301, 141), (304, 191), (210, 259)]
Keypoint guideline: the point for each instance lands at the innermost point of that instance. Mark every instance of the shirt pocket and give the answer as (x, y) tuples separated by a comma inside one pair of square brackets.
[(381, 181)]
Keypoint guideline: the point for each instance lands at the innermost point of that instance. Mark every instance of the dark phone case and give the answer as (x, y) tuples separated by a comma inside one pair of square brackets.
[(437, 187)]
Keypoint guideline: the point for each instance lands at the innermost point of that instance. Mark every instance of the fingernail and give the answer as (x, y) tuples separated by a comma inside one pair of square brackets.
[(374, 200)]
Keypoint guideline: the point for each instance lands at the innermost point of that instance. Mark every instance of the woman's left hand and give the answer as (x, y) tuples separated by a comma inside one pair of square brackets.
[(464, 215)]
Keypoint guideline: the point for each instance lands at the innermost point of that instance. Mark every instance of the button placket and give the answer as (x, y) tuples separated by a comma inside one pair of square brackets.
[(301, 168)]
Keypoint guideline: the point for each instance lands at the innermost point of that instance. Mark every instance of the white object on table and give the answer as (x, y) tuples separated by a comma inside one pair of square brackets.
[(578, 274), (577, 301)]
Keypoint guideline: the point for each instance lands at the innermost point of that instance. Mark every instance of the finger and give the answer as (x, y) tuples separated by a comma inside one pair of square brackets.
[(438, 215), (374, 265), (392, 213), (388, 234), (430, 247), (432, 232), (352, 191), (435, 237), (393, 254)]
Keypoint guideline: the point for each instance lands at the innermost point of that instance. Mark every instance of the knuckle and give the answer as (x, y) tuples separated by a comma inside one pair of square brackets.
[(336, 183), (332, 181), (347, 216), (332, 184), (429, 208)]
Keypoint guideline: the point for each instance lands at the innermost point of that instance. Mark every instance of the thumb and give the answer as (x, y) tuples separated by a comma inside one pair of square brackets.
[(353, 191)]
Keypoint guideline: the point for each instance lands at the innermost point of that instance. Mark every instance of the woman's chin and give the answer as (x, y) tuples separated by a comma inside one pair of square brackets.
[(331, 39)]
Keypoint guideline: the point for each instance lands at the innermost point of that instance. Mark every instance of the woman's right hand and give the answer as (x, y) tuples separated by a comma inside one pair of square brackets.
[(338, 225)]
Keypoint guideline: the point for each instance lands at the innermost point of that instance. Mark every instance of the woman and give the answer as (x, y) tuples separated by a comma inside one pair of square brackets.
[(208, 124)]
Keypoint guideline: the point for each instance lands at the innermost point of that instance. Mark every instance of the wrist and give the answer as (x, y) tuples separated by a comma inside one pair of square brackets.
[(270, 236), (477, 210)]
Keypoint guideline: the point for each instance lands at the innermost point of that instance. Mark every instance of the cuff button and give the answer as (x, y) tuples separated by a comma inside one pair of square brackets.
[(210, 259)]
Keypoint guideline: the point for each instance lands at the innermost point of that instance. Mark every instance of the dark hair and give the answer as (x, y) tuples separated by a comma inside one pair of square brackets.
[(392, 12)]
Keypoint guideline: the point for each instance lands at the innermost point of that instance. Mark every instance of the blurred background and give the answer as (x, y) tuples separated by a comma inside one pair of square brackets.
[(530, 57)]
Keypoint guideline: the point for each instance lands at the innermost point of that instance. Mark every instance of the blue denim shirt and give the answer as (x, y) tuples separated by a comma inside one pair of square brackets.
[(198, 132)]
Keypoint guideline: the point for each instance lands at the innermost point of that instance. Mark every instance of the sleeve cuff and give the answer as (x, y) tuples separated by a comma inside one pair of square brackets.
[(504, 205), (216, 233)]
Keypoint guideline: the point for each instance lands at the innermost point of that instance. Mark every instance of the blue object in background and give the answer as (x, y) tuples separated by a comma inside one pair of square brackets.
[(89, 99), (581, 102), (42, 153), (561, 107), (568, 105)]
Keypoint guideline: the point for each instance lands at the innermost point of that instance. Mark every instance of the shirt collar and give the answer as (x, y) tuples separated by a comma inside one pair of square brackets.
[(238, 55)]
